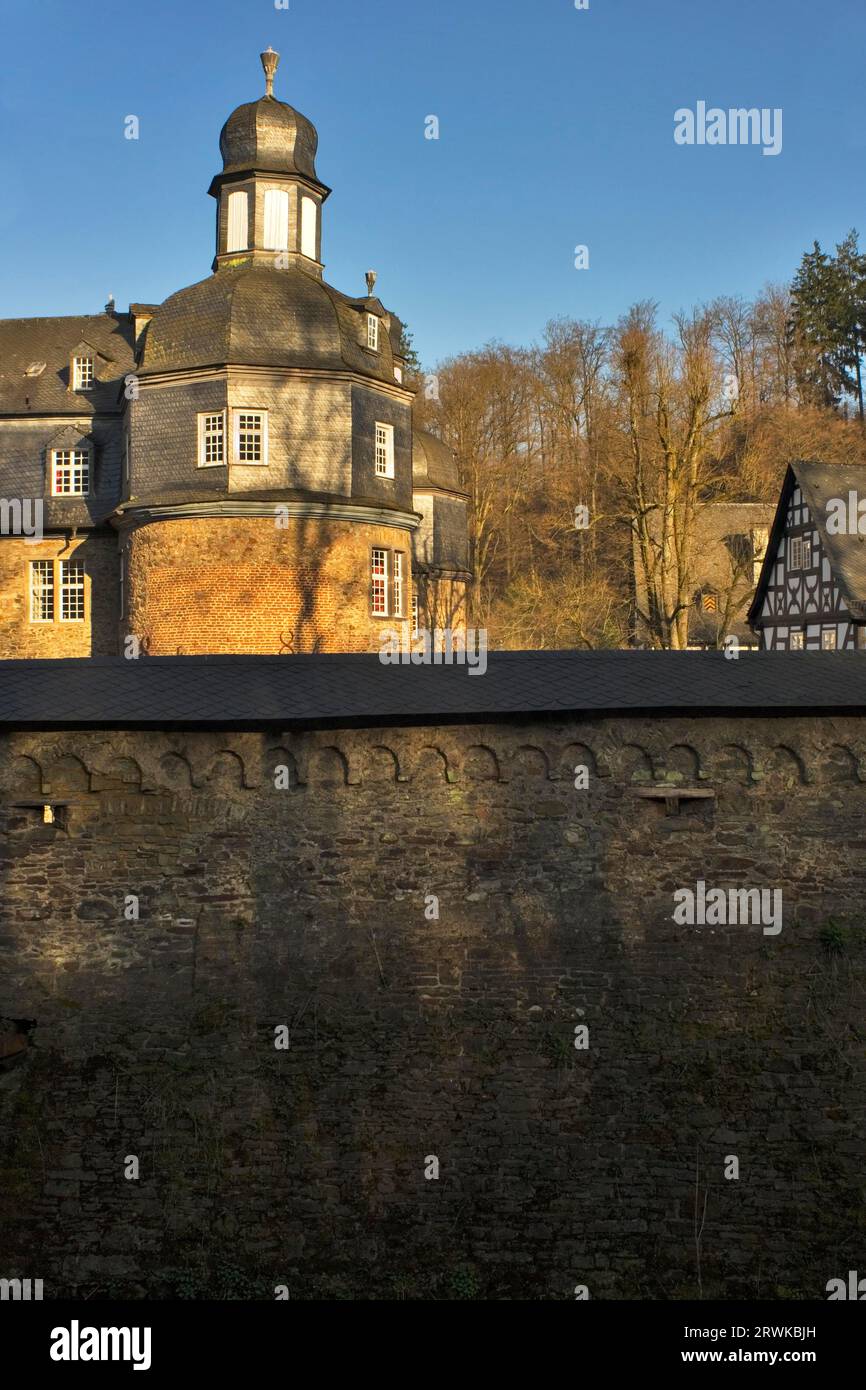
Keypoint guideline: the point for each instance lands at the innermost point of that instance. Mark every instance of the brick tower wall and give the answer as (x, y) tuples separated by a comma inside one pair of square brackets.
[(246, 585)]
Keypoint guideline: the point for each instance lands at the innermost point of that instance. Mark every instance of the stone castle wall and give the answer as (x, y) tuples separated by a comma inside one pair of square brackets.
[(413, 1037), (96, 635)]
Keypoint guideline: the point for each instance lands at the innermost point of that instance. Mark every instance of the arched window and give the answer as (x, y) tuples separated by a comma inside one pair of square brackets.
[(238, 233), (276, 219), (309, 227)]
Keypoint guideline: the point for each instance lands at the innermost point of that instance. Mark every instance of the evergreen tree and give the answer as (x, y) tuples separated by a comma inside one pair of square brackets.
[(829, 323)]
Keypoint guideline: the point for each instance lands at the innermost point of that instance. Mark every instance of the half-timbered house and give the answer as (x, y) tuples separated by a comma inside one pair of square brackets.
[(811, 592)]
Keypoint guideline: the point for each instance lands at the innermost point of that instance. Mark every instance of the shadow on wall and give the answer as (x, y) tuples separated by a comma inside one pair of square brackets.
[(433, 916)]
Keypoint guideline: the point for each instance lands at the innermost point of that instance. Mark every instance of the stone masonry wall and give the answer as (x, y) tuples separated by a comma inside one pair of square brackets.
[(412, 1037), (96, 634)]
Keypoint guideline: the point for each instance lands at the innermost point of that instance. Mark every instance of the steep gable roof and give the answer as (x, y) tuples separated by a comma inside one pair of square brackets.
[(820, 483)]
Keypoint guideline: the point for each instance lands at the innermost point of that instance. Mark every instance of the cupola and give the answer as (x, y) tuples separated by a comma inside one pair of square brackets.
[(269, 198)]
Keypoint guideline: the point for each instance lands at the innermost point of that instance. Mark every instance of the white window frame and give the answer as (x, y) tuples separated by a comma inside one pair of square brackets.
[(383, 577), (795, 552), (373, 332), (79, 462), (237, 412), (238, 221), (309, 228), (72, 587), (204, 435), (391, 579), (275, 218), (399, 583), (46, 567), (83, 373), (383, 457)]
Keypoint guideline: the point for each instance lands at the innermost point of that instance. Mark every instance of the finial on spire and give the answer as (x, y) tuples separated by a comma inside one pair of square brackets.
[(270, 61), (371, 278)]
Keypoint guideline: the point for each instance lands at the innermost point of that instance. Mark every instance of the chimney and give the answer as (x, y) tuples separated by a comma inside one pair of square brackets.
[(371, 278)]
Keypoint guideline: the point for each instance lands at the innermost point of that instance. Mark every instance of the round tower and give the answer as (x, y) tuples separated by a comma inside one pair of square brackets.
[(268, 485)]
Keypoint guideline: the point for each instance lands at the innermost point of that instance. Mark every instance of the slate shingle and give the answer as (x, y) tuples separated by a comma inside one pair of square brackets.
[(278, 692)]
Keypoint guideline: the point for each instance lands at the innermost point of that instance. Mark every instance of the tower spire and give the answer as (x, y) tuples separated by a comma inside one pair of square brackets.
[(270, 62)]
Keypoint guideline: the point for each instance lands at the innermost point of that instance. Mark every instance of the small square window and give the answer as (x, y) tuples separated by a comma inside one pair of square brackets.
[(70, 473), (211, 440), (384, 451), (42, 591), (71, 591), (373, 332), (251, 436), (796, 641), (828, 639), (82, 373)]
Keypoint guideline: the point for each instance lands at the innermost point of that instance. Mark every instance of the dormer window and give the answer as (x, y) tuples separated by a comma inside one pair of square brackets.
[(70, 472), (82, 373), (373, 332)]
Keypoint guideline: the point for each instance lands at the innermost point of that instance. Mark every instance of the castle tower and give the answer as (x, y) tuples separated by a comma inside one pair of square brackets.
[(269, 498), (234, 470)]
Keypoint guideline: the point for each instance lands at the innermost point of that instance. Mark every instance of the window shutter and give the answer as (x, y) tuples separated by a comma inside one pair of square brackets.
[(276, 219), (238, 229), (309, 218)]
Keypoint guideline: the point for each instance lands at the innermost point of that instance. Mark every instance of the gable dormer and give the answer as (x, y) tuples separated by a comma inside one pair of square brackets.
[(70, 464), (87, 366)]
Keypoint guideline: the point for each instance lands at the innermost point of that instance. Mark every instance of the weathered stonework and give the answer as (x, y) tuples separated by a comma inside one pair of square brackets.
[(220, 584), (412, 1037), (96, 635)]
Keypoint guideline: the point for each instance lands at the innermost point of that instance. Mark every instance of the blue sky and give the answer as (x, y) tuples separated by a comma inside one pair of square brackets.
[(556, 128)]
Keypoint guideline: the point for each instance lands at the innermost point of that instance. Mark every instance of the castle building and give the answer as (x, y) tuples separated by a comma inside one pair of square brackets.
[(234, 470)]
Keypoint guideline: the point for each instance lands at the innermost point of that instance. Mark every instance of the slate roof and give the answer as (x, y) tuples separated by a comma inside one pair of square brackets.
[(52, 341), (269, 136), (433, 463), (819, 483), (222, 692), (260, 316), (195, 494)]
